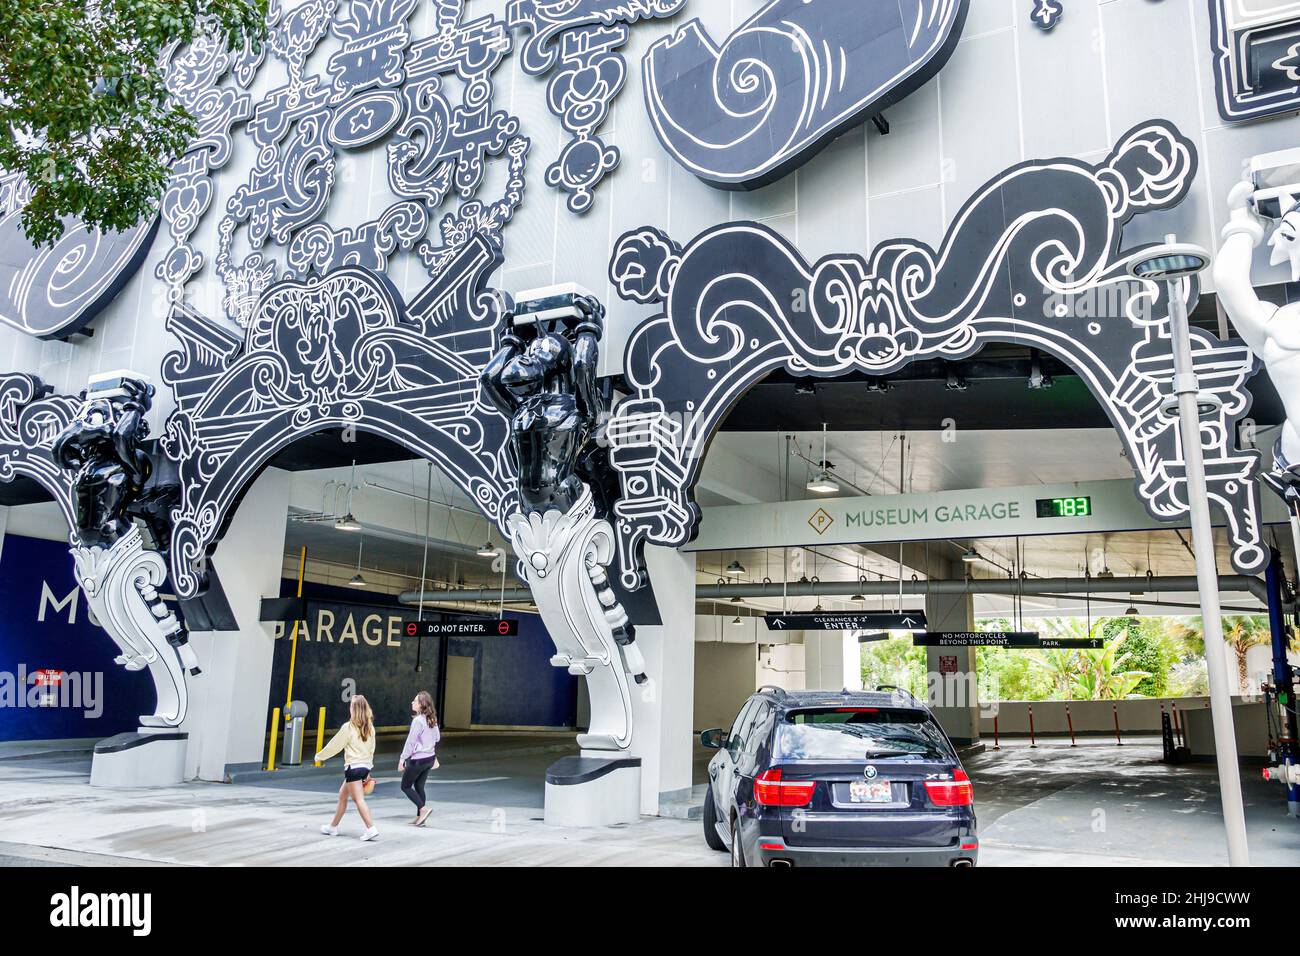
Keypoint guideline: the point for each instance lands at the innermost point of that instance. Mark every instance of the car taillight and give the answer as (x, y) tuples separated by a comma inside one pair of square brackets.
[(771, 791), (956, 792)]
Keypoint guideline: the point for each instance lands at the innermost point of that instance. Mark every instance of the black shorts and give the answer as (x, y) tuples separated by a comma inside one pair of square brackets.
[(355, 774)]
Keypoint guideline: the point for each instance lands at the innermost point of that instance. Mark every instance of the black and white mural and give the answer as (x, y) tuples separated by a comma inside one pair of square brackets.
[(428, 103), (31, 418), (341, 351), (578, 42), (431, 101), (1256, 55), (744, 113), (54, 292), (1035, 258)]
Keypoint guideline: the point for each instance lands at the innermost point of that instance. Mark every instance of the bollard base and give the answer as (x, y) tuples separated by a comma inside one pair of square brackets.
[(141, 758), (593, 791)]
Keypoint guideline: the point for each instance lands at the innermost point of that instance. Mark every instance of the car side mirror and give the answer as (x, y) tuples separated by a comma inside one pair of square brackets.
[(714, 739)]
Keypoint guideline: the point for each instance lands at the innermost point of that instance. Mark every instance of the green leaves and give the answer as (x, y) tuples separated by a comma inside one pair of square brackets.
[(85, 115)]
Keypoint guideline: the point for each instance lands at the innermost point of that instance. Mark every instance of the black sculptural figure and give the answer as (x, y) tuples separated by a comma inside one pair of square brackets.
[(102, 445), (544, 379)]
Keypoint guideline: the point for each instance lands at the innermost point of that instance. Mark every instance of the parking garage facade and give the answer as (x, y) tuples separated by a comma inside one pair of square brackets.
[(880, 398)]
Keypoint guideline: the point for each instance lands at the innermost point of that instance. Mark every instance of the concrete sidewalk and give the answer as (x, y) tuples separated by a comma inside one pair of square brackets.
[(487, 801), (1093, 805)]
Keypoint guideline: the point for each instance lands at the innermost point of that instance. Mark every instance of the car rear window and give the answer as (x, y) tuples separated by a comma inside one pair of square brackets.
[(860, 733)]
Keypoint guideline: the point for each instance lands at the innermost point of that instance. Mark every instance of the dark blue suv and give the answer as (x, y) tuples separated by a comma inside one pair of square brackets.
[(838, 778)]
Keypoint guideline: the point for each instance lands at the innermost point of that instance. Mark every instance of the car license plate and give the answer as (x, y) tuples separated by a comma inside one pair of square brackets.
[(871, 791)]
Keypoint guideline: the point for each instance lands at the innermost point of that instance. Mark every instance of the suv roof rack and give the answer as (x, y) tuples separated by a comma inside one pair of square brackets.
[(779, 691)]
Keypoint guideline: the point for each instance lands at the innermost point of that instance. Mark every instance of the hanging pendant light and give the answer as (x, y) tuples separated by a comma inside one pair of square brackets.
[(358, 580), (823, 482), (349, 522)]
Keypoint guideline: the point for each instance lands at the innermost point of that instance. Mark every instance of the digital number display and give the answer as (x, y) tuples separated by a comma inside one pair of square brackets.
[(1079, 507)]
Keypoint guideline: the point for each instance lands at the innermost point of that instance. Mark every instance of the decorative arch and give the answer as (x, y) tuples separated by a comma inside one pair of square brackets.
[(336, 351), (1035, 257), (31, 417)]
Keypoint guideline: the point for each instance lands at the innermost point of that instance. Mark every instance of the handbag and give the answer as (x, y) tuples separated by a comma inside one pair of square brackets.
[(436, 765), (368, 786)]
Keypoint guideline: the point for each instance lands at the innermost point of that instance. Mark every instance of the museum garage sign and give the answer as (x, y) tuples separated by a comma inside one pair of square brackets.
[(1093, 507)]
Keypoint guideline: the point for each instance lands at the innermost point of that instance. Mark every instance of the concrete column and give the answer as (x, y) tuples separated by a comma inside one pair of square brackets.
[(228, 713), (663, 708), (951, 671), (832, 660)]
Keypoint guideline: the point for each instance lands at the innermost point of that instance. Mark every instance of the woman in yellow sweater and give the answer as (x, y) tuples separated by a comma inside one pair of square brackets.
[(356, 740)]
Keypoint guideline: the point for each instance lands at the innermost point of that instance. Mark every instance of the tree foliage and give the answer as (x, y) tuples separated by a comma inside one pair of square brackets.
[(85, 114)]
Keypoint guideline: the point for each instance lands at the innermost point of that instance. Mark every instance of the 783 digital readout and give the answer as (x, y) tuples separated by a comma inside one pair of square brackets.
[(1076, 507)]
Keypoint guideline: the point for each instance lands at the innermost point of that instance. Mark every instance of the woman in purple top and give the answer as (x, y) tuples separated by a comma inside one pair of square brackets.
[(418, 756)]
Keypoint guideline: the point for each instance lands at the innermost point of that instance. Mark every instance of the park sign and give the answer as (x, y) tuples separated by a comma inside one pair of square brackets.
[(847, 621), (1018, 640)]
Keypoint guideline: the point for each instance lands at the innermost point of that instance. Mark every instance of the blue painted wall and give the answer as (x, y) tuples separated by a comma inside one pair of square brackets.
[(36, 633), (354, 643)]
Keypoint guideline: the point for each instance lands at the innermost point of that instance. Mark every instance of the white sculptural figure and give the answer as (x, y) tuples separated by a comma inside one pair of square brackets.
[(565, 558), (121, 583), (1271, 331)]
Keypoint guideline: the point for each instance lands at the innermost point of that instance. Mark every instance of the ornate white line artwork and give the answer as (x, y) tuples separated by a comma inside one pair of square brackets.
[(743, 113), (1034, 258), (578, 42), (342, 350), (1256, 58)]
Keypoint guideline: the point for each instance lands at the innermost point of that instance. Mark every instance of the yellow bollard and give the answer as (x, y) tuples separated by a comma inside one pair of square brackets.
[(320, 733), (275, 732)]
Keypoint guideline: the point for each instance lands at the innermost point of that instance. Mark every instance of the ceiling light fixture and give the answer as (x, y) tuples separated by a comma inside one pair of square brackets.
[(736, 570), (737, 622), (349, 522), (358, 580), (823, 483), (487, 551), (970, 556)]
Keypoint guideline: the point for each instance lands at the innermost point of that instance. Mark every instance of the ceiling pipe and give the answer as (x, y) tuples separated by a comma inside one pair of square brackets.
[(1032, 587)]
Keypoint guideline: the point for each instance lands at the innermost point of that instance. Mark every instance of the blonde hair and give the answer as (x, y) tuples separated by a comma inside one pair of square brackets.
[(361, 717)]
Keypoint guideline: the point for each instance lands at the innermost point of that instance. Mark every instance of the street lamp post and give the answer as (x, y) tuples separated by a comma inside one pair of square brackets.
[(1173, 263)]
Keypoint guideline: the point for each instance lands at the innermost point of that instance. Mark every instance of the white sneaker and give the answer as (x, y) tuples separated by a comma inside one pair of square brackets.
[(328, 830), (369, 834)]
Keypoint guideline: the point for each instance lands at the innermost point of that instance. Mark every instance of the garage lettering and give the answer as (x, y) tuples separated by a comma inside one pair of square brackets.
[(998, 511)]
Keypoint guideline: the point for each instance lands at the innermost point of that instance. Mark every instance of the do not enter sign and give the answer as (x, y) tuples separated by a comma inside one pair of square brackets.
[(463, 627)]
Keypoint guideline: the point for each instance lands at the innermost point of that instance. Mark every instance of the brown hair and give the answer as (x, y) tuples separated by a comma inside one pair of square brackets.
[(424, 705), (361, 716)]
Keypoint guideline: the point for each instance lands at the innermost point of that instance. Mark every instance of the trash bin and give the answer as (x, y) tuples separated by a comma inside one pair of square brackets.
[(295, 724)]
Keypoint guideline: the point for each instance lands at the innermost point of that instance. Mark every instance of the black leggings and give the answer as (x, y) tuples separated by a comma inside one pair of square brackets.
[(413, 778)]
